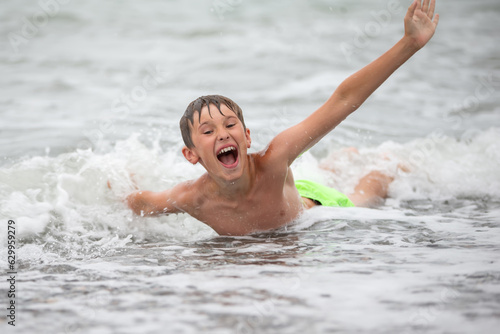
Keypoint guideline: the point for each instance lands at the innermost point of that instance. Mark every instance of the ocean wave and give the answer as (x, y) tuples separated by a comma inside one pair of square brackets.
[(66, 197)]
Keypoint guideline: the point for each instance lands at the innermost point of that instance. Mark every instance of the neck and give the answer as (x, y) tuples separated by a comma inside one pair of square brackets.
[(241, 186)]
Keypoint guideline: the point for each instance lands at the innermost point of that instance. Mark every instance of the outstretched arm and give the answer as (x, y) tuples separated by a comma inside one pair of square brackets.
[(420, 24), (149, 203)]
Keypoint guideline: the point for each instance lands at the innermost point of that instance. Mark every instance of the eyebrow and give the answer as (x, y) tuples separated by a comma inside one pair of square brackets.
[(210, 120)]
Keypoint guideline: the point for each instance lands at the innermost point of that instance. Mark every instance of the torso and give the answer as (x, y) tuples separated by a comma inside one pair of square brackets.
[(272, 202)]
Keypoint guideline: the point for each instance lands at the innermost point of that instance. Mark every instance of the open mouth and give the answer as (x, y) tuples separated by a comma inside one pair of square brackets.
[(228, 156)]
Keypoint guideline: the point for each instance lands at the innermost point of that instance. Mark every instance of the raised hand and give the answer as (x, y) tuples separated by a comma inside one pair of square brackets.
[(420, 22)]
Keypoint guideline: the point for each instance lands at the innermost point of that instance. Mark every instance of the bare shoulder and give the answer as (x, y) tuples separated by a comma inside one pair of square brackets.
[(285, 147), (271, 167), (188, 194), (270, 159)]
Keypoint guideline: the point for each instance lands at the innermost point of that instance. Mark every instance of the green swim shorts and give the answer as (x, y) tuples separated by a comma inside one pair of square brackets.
[(324, 195)]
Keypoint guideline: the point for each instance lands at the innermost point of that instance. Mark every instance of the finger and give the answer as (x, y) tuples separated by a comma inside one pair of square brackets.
[(411, 9), (431, 9), (425, 7), (436, 20)]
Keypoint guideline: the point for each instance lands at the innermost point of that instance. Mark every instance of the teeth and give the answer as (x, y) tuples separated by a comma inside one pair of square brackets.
[(227, 149)]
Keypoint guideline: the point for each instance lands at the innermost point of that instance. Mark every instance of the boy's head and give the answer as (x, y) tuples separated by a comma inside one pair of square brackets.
[(197, 105)]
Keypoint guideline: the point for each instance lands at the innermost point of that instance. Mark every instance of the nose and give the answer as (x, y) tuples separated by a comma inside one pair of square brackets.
[(223, 135)]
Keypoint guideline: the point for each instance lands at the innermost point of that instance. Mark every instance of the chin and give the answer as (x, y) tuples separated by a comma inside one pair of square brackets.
[(233, 174)]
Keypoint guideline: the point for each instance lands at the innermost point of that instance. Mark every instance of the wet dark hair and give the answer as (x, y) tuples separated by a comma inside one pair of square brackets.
[(197, 105)]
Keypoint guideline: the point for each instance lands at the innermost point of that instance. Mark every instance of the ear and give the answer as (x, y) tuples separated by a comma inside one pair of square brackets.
[(249, 140), (190, 155)]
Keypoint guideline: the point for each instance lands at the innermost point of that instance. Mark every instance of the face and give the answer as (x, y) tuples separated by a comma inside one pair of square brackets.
[(220, 143)]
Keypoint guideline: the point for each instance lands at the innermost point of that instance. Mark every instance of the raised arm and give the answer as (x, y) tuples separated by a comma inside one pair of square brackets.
[(420, 24)]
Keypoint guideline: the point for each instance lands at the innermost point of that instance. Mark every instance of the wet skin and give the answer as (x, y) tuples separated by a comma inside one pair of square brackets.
[(253, 193), (243, 193)]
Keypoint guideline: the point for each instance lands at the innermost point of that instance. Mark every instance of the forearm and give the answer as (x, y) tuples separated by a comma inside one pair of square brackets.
[(351, 93), (150, 203), (358, 87), (138, 202)]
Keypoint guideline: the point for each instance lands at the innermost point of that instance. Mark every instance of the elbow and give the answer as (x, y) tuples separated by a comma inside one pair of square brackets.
[(344, 91), (349, 96)]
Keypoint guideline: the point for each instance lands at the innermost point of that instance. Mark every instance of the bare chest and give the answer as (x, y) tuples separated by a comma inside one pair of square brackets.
[(267, 209)]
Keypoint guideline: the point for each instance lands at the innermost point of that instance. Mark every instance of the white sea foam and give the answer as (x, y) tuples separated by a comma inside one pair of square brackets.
[(69, 192), (426, 261)]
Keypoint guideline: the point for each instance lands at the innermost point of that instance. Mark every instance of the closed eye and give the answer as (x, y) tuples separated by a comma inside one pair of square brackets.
[(207, 132), (230, 125)]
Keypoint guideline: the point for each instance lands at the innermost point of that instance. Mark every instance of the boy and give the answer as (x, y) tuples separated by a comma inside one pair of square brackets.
[(243, 193)]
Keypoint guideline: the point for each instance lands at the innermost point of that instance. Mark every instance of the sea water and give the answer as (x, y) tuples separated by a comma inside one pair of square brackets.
[(92, 92)]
